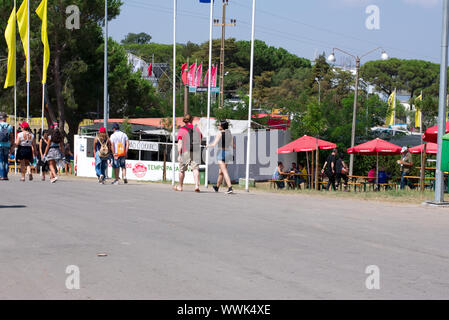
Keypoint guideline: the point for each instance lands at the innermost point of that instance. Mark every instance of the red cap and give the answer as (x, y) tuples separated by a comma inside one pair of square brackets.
[(102, 130), (25, 125)]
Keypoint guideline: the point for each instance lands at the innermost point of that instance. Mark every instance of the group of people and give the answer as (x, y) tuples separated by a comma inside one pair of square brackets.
[(297, 172), (336, 170), (114, 148), (189, 153), (48, 152)]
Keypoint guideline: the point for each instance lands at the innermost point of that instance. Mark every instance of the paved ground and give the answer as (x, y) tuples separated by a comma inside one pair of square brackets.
[(167, 245)]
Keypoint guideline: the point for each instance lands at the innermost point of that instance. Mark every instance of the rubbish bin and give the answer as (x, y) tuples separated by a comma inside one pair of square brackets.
[(202, 176), (72, 165), (445, 153)]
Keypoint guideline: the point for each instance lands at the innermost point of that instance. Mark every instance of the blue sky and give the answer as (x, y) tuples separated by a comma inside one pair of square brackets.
[(409, 29)]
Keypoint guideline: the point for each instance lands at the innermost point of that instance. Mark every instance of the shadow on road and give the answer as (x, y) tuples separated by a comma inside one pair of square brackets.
[(17, 206)]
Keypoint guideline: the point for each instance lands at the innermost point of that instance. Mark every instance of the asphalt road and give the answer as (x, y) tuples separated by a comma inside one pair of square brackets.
[(162, 244)]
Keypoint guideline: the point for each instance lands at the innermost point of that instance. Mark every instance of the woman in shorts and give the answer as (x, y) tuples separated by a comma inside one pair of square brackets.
[(226, 145), (26, 150), (43, 163), (53, 152)]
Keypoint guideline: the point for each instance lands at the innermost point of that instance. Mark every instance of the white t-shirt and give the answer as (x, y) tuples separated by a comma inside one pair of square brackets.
[(118, 136), (26, 138)]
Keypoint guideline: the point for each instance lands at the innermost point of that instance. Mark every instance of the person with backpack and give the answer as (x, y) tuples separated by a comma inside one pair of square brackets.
[(226, 146), (189, 150), (6, 145), (102, 147), (43, 163), (53, 152), (26, 150), (120, 146)]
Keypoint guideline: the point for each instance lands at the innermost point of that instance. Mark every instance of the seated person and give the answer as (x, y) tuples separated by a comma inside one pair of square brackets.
[(294, 169), (279, 175), (383, 176), (372, 174), (303, 178)]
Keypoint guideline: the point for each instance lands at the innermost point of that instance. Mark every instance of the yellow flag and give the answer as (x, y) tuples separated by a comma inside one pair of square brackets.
[(22, 21), (391, 109), (42, 13), (418, 113), (10, 34)]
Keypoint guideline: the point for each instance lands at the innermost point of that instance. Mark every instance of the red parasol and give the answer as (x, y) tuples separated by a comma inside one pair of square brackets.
[(305, 144), (376, 147), (431, 134), (430, 149)]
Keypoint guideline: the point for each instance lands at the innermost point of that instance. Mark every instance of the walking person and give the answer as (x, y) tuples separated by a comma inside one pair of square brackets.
[(341, 172), (43, 162), (53, 152), (120, 146), (406, 163), (6, 145), (102, 151), (68, 156), (189, 152), (329, 168), (226, 146), (26, 150)]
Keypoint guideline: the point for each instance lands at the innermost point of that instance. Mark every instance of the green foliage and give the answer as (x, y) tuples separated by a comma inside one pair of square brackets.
[(136, 38)]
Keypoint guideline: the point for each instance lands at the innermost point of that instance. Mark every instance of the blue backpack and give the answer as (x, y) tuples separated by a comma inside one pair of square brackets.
[(4, 133)]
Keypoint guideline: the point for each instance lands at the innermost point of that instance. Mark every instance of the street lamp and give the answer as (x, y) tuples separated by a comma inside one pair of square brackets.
[(332, 59)]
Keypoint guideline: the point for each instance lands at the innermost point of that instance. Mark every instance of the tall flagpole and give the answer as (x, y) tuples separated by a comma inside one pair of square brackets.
[(174, 95), (43, 106), (15, 84), (439, 175), (28, 65), (105, 98), (248, 147), (208, 91)]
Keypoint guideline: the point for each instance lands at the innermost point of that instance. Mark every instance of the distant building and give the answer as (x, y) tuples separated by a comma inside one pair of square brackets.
[(141, 66)]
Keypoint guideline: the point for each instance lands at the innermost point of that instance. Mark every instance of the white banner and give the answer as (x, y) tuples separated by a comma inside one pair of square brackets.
[(143, 145)]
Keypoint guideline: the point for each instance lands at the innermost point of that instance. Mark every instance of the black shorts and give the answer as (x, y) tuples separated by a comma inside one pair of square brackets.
[(24, 153)]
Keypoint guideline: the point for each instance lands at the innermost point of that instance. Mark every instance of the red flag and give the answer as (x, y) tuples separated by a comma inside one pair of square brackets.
[(150, 70), (206, 79), (184, 73), (191, 75), (199, 73), (213, 78)]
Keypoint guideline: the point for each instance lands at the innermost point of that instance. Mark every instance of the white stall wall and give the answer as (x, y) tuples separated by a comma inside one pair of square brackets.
[(135, 169), (264, 157)]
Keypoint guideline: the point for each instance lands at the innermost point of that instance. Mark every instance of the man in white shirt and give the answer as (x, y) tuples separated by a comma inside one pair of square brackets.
[(120, 146)]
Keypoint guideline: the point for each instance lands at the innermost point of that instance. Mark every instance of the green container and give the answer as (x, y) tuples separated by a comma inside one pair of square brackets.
[(445, 153), (202, 176), (72, 164)]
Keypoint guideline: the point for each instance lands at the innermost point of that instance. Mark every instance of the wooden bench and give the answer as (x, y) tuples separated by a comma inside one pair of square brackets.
[(355, 185), (273, 183), (387, 185)]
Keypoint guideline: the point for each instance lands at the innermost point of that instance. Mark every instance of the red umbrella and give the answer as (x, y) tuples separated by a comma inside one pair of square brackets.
[(430, 149), (431, 134), (376, 147), (305, 144)]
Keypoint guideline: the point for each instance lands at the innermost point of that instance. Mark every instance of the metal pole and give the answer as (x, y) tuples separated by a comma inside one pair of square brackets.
[(354, 114), (222, 54), (174, 94), (106, 102), (28, 66), (251, 75), (206, 183), (43, 106), (439, 183), (15, 85)]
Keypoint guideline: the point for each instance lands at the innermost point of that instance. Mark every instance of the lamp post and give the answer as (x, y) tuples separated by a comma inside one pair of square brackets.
[(332, 59)]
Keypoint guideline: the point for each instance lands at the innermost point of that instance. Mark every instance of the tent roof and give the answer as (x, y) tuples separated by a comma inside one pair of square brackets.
[(376, 146), (430, 149), (153, 122), (431, 133), (305, 144)]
